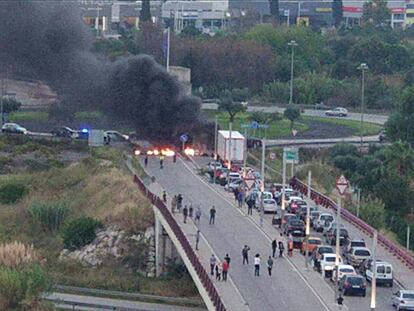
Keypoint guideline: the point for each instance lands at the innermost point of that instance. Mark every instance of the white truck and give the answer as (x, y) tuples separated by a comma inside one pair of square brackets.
[(237, 146)]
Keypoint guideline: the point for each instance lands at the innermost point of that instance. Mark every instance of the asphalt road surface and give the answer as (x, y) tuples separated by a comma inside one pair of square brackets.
[(373, 118)]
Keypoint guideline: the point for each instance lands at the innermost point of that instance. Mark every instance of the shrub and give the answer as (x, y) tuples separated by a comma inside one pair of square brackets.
[(11, 192), (22, 287), (80, 232), (49, 215), (17, 255)]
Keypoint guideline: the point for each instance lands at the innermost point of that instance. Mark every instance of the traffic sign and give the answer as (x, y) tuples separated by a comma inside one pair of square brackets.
[(294, 132), (249, 180), (291, 155), (184, 138), (342, 184)]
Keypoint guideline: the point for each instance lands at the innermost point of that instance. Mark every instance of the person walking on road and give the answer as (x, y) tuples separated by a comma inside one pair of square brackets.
[(274, 247), (161, 162), (218, 272), (164, 196), (245, 254), (185, 213), (281, 248), (213, 261), (173, 204), (179, 202), (197, 239), (146, 161), (257, 265), (190, 210), (197, 215), (175, 157), (290, 248), (227, 258), (212, 215), (236, 194), (240, 199), (250, 204), (270, 265), (225, 267)]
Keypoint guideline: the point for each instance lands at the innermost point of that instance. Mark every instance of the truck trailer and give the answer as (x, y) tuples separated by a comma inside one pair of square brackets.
[(237, 146)]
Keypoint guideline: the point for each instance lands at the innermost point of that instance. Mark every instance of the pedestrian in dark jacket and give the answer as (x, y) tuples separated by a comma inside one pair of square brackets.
[(274, 247), (218, 272), (250, 204), (164, 196), (213, 261), (190, 211), (245, 254), (212, 215), (240, 199), (185, 213), (281, 248), (179, 202), (270, 265), (146, 161), (236, 194), (227, 258)]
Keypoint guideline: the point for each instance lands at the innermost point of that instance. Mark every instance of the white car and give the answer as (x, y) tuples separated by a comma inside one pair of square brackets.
[(266, 196), (234, 184), (13, 128), (269, 206), (323, 218), (116, 136), (215, 164), (328, 264), (343, 270), (337, 112), (403, 300), (294, 198)]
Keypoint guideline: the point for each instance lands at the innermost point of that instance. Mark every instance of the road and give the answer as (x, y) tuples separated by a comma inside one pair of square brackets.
[(321, 142), (372, 118), (233, 229), (230, 233)]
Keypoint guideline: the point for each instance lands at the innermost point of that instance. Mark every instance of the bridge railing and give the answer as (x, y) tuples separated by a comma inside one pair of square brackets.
[(201, 272), (323, 200)]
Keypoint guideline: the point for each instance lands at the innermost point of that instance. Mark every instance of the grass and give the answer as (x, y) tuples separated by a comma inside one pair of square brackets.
[(96, 186), (20, 116), (277, 129), (368, 128)]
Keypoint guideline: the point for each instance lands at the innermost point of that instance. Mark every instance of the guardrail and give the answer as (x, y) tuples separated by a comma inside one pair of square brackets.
[(201, 272), (323, 200)]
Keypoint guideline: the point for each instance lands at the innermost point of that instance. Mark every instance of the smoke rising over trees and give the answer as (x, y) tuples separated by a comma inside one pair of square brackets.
[(48, 41)]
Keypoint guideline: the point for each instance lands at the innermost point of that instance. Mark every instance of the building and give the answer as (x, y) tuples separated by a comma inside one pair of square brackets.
[(207, 16), (107, 16)]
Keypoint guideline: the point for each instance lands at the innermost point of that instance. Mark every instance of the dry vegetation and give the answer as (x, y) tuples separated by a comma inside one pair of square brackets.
[(17, 255)]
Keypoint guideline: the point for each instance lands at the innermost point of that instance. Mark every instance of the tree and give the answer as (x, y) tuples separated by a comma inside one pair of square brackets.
[(10, 105), (376, 12), (400, 125), (274, 11), (291, 113), (145, 14), (400, 157), (227, 104), (337, 12)]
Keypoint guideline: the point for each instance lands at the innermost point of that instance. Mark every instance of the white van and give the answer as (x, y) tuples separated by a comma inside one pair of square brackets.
[(266, 196), (384, 273)]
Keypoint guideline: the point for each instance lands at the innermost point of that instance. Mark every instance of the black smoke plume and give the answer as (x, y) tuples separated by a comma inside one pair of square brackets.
[(48, 41)]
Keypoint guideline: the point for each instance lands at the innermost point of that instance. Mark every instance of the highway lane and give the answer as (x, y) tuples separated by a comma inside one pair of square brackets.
[(368, 117), (230, 233), (352, 302)]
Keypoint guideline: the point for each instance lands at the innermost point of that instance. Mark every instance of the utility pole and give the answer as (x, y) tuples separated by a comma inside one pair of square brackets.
[(363, 67), (229, 159), (408, 237), (1, 100), (282, 201), (292, 44), (308, 220), (338, 230), (374, 275), (215, 147), (168, 49), (358, 201), (263, 180)]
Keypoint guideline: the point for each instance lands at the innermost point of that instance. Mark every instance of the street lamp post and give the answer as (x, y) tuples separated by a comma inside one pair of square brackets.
[(363, 67), (292, 44), (263, 180)]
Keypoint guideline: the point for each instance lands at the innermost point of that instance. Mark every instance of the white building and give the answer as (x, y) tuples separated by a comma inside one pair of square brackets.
[(207, 16)]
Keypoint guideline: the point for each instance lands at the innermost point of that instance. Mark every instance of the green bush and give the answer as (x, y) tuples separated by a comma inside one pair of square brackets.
[(80, 232), (21, 287), (49, 215), (12, 192)]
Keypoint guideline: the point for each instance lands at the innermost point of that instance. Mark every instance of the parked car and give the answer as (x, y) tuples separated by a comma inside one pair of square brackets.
[(337, 112), (64, 131), (269, 206), (13, 128), (294, 224), (353, 243), (298, 236), (313, 217), (303, 210), (327, 264), (286, 219), (233, 185), (322, 219), (310, 245), (357, 255), (343, 270), (403, 300), (214, 165), (116, 136), (331, 236), (384, 273), (352, 285), (317, 254)]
